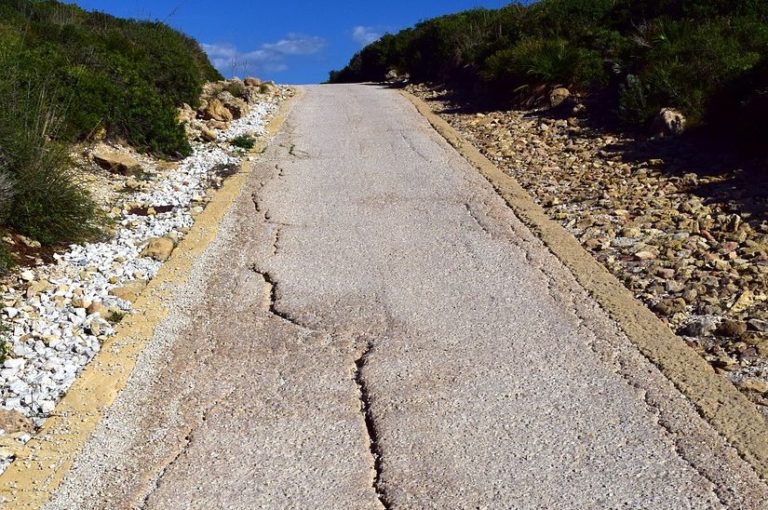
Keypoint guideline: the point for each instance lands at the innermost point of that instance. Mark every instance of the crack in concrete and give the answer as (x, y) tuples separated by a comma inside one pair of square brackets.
[(186, 443), (370, 425), (271, 298), (473, 214), (276, 238)]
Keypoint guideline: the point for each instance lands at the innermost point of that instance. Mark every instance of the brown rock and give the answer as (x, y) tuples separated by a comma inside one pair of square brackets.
[(215, 110), (13, 422), (208, 134), (116, 162), (250, 81), (186, 114), (645, 255), (731, 328), (237, 107), (159, 248), (558, 96), (38, 288), (753, 384), (216, 124), (669, 122)]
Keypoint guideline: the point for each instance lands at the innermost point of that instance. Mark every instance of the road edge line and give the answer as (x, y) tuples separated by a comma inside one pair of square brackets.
[(41, 465), (716, 399)]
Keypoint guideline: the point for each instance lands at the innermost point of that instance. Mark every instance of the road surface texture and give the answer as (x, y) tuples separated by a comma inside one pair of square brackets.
[(374, 328)]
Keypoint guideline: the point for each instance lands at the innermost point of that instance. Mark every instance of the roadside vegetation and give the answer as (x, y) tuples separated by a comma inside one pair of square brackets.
[(708, 59), (71, 76)]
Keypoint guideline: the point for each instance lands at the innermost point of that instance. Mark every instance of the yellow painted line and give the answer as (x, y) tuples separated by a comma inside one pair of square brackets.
[(42, 464), (716, 399)]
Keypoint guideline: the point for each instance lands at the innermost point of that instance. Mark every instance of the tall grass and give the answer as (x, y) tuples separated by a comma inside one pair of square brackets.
[(40, 196)]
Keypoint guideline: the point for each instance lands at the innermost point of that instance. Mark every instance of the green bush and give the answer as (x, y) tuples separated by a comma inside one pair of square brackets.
[(545, 61), (125, 76), (237, 89), (685, 64), (244, 142), (642, 55), (5, 346)]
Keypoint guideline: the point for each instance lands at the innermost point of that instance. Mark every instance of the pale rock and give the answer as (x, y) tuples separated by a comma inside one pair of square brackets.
[(558, 96), (645, 255), (215, 110), (250, 81), (117, 162), (159, 248), (669, 122)]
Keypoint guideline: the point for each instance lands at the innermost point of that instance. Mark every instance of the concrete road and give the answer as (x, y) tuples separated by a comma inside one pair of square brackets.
[(375, 329)]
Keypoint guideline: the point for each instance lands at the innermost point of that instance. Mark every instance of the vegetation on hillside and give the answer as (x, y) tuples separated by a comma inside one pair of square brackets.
[(71, 75), (708, 58)]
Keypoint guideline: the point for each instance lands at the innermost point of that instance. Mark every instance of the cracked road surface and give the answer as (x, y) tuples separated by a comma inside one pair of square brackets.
[(373, 329)]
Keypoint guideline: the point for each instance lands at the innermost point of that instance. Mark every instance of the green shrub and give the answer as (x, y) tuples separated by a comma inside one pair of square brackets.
[(126, 76), (742, 106), (244, 142), (6, 259), (642, 55), (47, 203), (633, 101), (687, 63), (545, 61), (237, 89), (5, 346)]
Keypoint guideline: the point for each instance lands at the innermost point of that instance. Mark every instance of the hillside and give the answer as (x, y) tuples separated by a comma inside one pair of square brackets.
[(70, 76), (708, 59)]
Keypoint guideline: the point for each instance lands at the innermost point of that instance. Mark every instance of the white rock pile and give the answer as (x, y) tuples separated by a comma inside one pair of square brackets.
[(60, 314)]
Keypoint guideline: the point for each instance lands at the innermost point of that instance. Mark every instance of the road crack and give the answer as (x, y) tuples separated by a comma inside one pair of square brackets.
[(185, 445), (370, 424), (271, 297)]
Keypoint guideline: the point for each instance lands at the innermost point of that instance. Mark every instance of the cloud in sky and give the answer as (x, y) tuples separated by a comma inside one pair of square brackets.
[(365, 35), (269, 57)]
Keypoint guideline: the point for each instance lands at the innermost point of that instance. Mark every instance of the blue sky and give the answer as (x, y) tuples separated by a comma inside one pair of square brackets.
[(289, 41)]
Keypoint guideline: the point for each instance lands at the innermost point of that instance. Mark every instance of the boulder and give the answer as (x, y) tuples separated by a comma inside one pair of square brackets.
[(208, 134), (268, 87), (13, 422), (237, 107), (186, 114), (159, 248), (215, 110), (215, 124), (669, 122), (117, 162), (250, 81), (558, 96), (731, 328)]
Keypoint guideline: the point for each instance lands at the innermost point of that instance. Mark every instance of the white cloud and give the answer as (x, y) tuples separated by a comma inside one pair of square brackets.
[(269, 57), (365, 35)]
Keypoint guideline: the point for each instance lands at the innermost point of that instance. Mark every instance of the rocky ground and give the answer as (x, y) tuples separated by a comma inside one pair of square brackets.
[(60, 307), (683, 229)]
